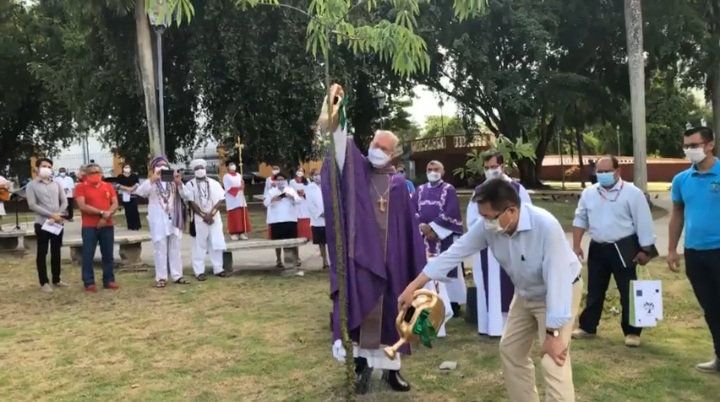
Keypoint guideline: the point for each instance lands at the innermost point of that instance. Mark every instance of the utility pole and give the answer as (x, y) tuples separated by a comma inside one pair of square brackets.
[(636, 66)]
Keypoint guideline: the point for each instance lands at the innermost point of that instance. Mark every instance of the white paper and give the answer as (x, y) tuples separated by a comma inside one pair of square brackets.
[(125, 196), (51, 226), (648, 303)]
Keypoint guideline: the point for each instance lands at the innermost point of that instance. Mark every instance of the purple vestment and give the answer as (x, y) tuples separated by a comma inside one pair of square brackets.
[(439, 204), (377, 271)]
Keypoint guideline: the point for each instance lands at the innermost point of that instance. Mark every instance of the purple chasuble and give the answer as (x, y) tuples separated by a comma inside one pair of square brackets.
[(377, 271), (439, 204), (507, 289)]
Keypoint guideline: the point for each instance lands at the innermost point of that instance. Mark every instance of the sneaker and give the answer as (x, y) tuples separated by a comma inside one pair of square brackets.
[(112, 286), (581, 334), (712, 366), (243, 237), (61, 284), (46, 288), (632, 341), (234, 237), (91, 289)]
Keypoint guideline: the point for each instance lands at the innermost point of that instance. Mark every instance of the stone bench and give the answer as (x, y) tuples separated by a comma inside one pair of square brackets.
[(10, 240), (289, 246), (130, 248)]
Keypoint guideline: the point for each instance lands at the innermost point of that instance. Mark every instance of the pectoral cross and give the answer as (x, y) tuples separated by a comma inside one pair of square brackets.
[(382, 202)]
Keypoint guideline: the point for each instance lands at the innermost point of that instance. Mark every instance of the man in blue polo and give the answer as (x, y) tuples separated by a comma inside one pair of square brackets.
[(696, 206)]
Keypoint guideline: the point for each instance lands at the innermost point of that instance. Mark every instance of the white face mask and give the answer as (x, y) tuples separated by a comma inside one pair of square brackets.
[(62, 174), (200, 173), (299, 174), (126, 170), (45, 172), (695, 155), (317, 179), (494, 173), (378, 158), (232, 168), (493, 225), (433, 176), (275, 171)]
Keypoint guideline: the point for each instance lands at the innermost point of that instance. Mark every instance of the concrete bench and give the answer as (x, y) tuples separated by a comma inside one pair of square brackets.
[(130, 247), (10, 240), (289, 246)]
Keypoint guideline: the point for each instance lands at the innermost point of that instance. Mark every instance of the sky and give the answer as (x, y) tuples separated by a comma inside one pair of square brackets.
[(425, 105)]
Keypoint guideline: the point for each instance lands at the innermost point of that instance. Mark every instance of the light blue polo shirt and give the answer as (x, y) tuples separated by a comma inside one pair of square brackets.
[(700, 193)]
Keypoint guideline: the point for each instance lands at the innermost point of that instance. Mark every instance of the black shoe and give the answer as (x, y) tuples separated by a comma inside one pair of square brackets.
[(396, 381), (363, 374), (456, 310)]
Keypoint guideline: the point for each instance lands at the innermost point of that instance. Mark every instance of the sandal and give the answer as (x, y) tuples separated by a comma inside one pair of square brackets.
[(279, 265), (161, 283), (326, 266), (201, 277), (182, 281), (223, 274)]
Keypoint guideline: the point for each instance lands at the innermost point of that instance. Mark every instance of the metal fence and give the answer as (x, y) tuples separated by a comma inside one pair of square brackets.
[(73, 161)]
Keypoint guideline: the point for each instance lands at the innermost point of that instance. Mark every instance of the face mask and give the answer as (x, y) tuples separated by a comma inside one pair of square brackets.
[(606, 179), (94, 178), (281, 184), (126, 170), (378, 158), (232, 168), (62, 174), (493, 225), (45, 172), (200, 173), (433, 176), (299, 174), (317, 179), (494, 173), (275, 171), (401, 173), (695, 155)]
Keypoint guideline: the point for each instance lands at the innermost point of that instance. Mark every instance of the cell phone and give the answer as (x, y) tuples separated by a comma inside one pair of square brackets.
[(167, 175), (283, 195)]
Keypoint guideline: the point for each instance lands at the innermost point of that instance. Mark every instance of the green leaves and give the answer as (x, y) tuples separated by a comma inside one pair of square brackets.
[(394, 42), (176, 10)]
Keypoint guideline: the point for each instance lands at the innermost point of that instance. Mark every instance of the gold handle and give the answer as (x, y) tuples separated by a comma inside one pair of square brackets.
[(391, 351)]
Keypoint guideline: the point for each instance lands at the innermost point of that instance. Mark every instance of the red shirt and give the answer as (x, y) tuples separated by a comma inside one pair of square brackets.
[(99, 197)]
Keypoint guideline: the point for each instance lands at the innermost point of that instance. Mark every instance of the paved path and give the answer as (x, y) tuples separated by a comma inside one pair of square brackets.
[(310, 255)]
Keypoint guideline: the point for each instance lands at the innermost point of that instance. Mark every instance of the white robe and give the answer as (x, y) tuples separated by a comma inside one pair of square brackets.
[(302, 208), (236, 201), (209, 239), (165, 236), (2, 204), (491, 319), (441, 289)]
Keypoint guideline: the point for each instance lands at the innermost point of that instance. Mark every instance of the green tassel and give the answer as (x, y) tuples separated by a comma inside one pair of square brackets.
[(424, 329)]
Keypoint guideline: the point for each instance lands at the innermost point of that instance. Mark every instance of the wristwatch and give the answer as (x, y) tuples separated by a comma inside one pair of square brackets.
[(102, 213), (552, 332)]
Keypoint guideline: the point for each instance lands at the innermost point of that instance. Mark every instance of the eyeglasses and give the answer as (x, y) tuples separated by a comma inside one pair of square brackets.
[(694, 145)]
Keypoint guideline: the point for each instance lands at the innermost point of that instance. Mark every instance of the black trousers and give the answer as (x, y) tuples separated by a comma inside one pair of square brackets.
[(132, 215), (69, 209), (603, 262), (47, 240), (703, 272)]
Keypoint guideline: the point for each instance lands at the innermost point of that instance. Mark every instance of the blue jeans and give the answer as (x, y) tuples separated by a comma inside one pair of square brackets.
[(90, 238)]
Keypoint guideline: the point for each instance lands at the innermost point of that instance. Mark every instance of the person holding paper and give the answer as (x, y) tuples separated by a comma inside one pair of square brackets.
[(317, 215), (68, 185), (696, 200), (281, 203), (238, 224), (617, 216), (47, 199), (128, 182), (97, 201), (530, 245), (438, 211)]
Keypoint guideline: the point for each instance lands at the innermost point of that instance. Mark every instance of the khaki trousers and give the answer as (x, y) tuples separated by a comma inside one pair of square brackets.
[(525, 323)]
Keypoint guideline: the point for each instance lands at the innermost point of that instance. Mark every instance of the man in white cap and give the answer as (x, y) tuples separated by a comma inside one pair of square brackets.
[(205, 196)]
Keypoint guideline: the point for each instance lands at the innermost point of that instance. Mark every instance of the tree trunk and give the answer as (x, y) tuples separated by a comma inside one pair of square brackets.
[(578, 143), (147, 74), (636, 66), (715, 100)]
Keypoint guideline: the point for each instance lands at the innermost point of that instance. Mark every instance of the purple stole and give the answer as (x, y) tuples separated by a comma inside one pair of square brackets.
[(507, 289)]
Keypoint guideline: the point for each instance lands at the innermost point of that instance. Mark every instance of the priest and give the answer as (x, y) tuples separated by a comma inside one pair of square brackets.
[(382, 246), (494, 288), (438, 210), (205, 195)]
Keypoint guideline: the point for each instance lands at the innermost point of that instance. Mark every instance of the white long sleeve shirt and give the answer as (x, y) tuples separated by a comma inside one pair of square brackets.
[(315, 205)]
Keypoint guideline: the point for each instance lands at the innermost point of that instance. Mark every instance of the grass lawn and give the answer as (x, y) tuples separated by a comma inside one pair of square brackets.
[(266, 338), (653, 187)]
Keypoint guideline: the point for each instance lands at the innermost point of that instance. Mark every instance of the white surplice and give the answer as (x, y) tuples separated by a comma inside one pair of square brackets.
[(165, 236), (491, 319), (238, 200), (2, 204), (209, 239), (315, 205), (440, 288), (303, 211)]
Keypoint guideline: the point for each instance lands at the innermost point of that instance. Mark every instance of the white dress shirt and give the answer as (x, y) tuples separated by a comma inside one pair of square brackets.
[(68, 185), (284, 209), (315, 205), (537, 258), (612, 214)]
